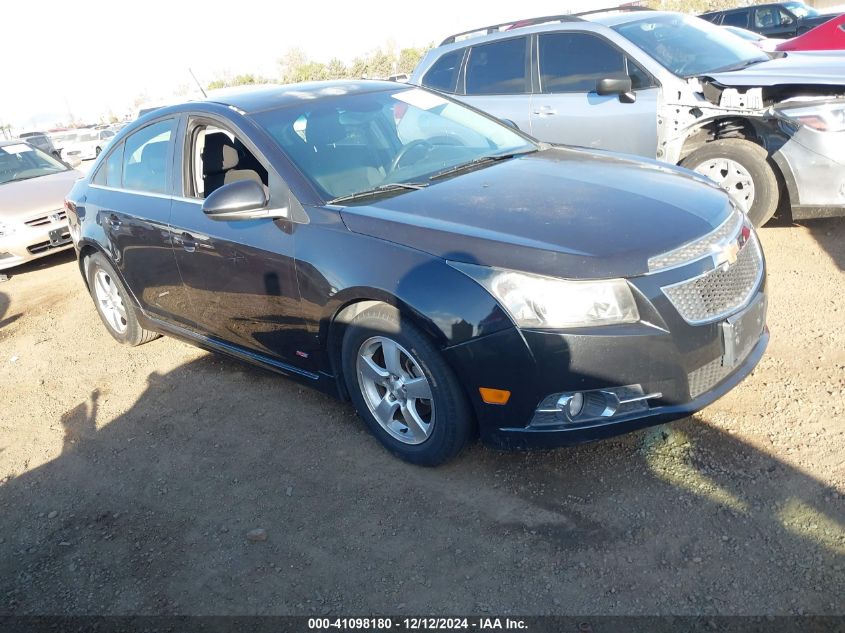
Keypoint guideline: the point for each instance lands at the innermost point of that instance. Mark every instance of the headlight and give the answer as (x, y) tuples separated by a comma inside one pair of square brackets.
[(535, 301), (6, 229), (824, 117)]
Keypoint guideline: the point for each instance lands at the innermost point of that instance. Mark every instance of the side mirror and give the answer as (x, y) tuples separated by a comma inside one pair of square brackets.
[(240, 200), (617, 86), (510, 123), (610, 86)]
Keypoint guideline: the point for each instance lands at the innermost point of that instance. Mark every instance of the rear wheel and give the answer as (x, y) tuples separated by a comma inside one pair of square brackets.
[(742, 169), (403, 389), (113, 304)]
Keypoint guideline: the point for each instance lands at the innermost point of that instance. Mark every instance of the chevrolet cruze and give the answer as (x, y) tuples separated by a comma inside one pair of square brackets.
[(446, 273)]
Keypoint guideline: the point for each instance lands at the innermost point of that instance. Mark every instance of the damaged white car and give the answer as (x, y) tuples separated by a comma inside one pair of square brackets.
[(765, 127)]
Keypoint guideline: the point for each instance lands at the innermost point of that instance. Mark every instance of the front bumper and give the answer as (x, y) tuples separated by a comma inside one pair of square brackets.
[(687, 365), (813, 167), (28, 243)]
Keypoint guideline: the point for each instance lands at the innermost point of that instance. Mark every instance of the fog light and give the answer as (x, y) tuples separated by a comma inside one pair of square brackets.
[(573, 405)]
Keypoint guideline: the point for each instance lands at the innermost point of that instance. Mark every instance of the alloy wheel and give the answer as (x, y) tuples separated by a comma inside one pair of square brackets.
[(396, 390), (109, 301)]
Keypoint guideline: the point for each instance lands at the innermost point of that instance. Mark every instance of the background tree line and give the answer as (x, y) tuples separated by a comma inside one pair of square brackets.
[(295, 66)]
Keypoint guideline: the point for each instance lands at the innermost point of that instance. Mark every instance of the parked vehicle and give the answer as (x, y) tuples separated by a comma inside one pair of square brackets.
[(667, 86), (829, 36), (762, 42), (41, 141), (87, 144), (33, 220), (777, 19), (449, 276), (63, 141)]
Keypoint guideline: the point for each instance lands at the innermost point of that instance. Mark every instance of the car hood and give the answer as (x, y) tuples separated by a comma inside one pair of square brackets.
[(563, 212), (37, 196), (793, 68)]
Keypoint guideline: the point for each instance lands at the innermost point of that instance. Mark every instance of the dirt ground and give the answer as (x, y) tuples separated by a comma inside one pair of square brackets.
[(131, 477)]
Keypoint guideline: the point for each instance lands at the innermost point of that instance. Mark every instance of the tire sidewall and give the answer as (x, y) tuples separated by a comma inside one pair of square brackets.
[(754, 159), (449, 432)]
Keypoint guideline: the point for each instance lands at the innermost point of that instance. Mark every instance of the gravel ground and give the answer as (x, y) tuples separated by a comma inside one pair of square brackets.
[(134, 480)]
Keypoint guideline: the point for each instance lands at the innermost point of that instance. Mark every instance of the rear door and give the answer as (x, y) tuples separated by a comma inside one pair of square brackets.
[(496, 79), (131, 195), (566, 108)]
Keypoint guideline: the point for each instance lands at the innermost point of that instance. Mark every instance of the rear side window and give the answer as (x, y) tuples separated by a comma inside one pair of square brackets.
[(145, 155), (443, 75), (497, 68), (110, 173), (574, 62), (738, 18)]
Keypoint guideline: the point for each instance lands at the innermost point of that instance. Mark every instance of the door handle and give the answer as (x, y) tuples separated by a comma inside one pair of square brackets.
[(186, 240), (545, 111)]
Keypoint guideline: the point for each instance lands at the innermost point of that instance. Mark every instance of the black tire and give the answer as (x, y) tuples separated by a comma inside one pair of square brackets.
[(133, 334), (453, 423), (755, 160)]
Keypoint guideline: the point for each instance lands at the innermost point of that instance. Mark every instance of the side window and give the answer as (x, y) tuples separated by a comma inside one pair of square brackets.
[(218, 157), (639, 78), (766, 17), (145, 155), (497, 68), (737, 18), (574, 62), (110, 171), (443, 75)]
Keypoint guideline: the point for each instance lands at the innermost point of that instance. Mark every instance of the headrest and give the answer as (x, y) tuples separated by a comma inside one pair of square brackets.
[(324, 128), (219, 153), (155, 155)]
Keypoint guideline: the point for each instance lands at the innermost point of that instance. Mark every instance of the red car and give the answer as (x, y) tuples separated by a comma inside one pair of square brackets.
[(829, 36)]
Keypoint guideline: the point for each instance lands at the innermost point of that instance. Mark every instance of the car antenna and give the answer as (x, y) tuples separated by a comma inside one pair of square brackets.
[(199, 85)]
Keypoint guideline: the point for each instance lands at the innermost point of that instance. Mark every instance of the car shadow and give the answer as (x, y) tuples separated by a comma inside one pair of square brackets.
[(4, 307), (54, 259), (148, 511)]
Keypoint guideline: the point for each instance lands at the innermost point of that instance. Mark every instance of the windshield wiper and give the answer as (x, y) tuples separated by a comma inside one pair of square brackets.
[(386, 188), (475, 162)]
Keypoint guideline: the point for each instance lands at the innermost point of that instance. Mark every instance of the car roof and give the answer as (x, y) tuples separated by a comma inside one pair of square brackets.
[(614, 19), (12, 141), (269, 97)]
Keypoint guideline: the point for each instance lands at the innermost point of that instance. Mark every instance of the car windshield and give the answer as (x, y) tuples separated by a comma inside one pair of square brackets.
[(689, 46), (801, 10), (21, 161), (87, 136), (386, 141)]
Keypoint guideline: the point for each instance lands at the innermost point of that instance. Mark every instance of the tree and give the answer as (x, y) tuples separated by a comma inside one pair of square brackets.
[(238, 80)]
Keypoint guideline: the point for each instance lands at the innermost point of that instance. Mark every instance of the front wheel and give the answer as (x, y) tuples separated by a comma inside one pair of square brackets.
[(403, 389), (742, 169), (113, 304)]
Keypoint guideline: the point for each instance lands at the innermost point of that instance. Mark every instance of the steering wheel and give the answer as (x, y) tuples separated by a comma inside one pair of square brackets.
[(404, 151)]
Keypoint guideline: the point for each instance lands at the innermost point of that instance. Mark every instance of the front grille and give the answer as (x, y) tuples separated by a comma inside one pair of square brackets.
[(718, 293), (40, 247), (54, 216)]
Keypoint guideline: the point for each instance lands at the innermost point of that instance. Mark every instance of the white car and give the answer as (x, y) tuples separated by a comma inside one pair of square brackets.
[(85, 144)]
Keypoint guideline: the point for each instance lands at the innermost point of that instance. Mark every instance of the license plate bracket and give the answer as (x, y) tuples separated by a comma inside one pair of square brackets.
[(741, 331), (59, 237)]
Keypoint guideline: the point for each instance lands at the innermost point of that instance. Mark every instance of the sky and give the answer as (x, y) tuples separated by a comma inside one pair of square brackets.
[(89, 58)]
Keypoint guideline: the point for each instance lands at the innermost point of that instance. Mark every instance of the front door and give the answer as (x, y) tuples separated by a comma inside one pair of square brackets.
[(567, 109), (240, 275)]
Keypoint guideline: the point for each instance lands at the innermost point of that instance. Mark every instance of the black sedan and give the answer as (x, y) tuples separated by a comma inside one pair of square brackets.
[(446, 273)]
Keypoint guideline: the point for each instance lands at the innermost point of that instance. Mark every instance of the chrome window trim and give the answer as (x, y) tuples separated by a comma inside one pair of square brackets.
[(151, 194)]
